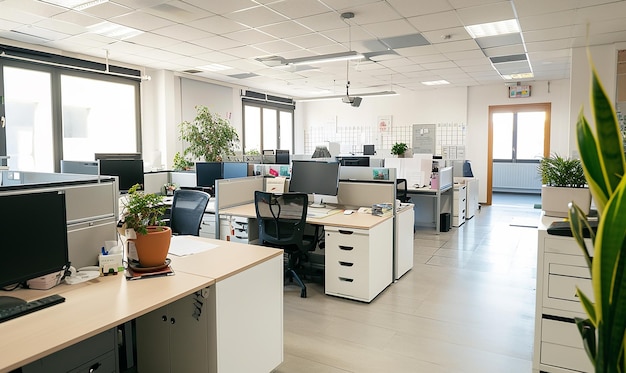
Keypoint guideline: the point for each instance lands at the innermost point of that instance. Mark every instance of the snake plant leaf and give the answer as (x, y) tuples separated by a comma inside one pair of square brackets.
[(588, 306), (592, 166), (578, 221), (608, 277), (588, 333), (608, 134)]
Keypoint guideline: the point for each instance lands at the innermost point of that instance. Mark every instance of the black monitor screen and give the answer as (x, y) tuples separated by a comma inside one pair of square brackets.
[(30, 251), (234, 170), (354, 161), (369, 150), (128, 171), (314, 177), (135, 156), (207, 173), (282, 156)]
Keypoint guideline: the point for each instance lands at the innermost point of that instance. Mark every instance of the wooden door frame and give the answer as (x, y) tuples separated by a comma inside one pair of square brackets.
[(546, 106)]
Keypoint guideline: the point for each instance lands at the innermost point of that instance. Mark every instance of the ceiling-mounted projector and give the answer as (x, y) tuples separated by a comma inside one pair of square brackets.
[(354, 101)]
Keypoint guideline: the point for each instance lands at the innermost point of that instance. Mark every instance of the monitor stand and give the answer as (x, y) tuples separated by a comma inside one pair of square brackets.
[(319, 205)]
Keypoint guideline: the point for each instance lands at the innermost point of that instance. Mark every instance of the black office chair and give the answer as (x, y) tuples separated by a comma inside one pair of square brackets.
[(187, 209), (282, 220), (402, 191)]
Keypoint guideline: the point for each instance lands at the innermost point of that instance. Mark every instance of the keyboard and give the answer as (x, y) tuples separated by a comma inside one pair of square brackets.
[(32, 306)]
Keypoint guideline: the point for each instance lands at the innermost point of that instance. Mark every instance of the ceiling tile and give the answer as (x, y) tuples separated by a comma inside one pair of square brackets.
[(217, 43), (217, 25), (499, 11), (78, 18), (411, 8), (389, 29), (177, 11), (436, 21), (152, 40), (187, 49), (183, 32), (298, 8), (223, 7), (141, 21), (249, 36), (290, 28), (323, 22), (256, 17), (107, 10)]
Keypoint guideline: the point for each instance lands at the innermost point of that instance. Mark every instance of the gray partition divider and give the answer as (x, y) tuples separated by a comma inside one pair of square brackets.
[(234, 192), (366, 193), (366, 173)]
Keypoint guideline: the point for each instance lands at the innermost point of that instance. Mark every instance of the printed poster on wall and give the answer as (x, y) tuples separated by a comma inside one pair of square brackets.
[(384, 123)]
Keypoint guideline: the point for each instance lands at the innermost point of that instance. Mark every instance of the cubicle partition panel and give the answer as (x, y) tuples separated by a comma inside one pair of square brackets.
[(230, 193), (153, 182), (366, 173), (365, 193), (183, 178)]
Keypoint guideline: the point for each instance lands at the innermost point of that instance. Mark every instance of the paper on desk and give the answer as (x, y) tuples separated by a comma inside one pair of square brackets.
[(187, 245)]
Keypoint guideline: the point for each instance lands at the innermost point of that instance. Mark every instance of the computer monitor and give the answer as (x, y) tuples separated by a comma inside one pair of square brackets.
[(30, 251), (128, 171), (317, 178), (354, 161), (233, 170), (135, 156), (207, 173), (80, 167), (282, 156), (368, 150)]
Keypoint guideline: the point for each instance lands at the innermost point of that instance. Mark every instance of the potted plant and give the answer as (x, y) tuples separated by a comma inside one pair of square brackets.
[(209, 136), (143, 226), (169, 189), (563, 181), (181, 163), (604, 164), (399, 149)]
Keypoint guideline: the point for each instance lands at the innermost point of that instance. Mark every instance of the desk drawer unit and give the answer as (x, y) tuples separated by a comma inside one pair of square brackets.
[(358, 261), (241, 229), (561, 268), (208, 225)]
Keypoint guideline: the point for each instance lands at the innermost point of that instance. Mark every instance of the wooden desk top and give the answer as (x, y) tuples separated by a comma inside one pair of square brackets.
[(89, 308), (103, 303), (227, 259), (356, 220)]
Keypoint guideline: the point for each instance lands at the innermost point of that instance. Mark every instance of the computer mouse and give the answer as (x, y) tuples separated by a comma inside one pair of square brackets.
[(348, 212)]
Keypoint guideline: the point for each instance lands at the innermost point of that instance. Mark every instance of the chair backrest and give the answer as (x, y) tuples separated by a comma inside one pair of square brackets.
[(281, 218), (402, 190), (187, 209)]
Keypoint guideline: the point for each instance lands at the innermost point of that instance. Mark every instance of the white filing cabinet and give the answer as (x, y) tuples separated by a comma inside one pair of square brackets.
[(459, 205), (561, 267), (359, 262), (208, 225)]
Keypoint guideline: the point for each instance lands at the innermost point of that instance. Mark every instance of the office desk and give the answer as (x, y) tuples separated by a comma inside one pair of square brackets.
[(358, 253), (433, 194), (101, 304)]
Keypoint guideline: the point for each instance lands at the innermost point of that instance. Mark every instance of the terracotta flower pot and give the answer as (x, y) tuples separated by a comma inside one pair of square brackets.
[(152, 248)]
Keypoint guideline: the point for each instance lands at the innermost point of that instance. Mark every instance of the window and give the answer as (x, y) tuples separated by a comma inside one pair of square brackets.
[(267, 125), (91, 113), (519, 133)]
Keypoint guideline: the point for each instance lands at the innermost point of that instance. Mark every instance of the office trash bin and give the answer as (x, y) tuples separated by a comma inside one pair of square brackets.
[(444, 222)]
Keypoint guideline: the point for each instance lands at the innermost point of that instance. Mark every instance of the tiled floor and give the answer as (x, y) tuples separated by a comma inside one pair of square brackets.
[(467, 305)]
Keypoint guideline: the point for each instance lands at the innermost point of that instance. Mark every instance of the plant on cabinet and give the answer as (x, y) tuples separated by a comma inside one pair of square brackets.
[(563, 181), (399, 149)]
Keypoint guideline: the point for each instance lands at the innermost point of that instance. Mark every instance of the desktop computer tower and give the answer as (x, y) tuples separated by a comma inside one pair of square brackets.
[(444, 222)]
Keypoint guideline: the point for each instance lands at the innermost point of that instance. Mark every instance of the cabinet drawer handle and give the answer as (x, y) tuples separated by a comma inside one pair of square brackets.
[(172, 321), (347, 248), (164, 318), (94, 367), (346, 264), (346, 279), (345, 232)]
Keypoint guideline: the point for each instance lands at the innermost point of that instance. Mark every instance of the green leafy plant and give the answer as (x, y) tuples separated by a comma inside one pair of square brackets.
[(209, 136), (399, 148), (181, 163), (561, 172), (142, 210), (603, 161)]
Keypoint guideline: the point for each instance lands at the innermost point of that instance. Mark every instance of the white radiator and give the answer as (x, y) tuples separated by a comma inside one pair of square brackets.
[(516, 177)]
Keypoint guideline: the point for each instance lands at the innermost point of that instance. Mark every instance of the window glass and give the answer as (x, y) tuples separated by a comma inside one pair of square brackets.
[(98, 117), (28, 106), (252, 130), (503, 136), (270, 130), (530, 133), (286, 131)]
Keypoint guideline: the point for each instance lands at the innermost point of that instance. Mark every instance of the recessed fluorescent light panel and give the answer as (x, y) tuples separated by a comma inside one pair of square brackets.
[(76, 4), (325, 58), (214, 67), (436, 82), (113, 30), (518, 76), (493, 28)]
